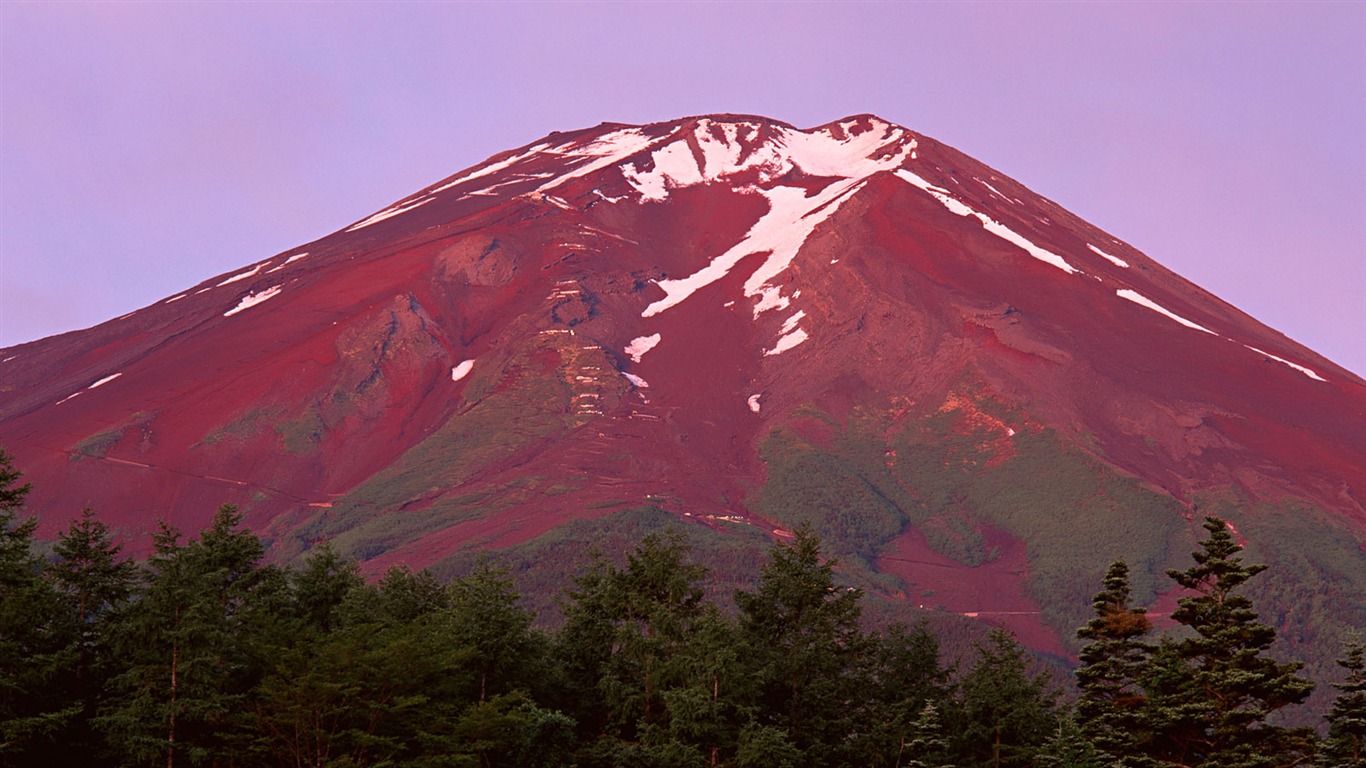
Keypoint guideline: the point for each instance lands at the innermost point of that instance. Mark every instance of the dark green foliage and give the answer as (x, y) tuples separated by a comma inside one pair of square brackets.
[(1212, 691), (1069, 748), (207, 657), (186, 647), (1110, 709), (801, 633), (37, 640), (1345, 746), (1008, 713)]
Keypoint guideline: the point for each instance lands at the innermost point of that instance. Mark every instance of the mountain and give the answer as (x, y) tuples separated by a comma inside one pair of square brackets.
[(976, 398)]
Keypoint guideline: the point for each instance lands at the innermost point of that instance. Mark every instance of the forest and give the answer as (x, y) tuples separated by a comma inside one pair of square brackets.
[(206, 655)]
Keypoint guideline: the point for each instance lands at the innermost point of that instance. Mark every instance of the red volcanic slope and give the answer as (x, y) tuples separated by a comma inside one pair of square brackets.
[(621, 314)]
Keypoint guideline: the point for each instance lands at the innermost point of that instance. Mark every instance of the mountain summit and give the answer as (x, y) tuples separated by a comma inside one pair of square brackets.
[(973, 394)]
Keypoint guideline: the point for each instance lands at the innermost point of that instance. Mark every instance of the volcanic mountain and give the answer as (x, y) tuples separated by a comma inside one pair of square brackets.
[(976, 398)]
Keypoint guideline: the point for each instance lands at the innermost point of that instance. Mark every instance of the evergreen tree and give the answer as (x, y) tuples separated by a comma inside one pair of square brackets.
[(1007, 713), (37, 640), (1110, 709), (804, 643), (186, 646), (905, 684), (87, 570), (1211, 692), (486, 617), (321, 588), (925, 745), (1069, 748), (1345, 746)]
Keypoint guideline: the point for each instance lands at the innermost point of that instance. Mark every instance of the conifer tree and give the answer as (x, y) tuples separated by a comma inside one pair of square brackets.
[(1007, 712), (97, 583), (804, 639), (186, 646), (1345, 746), (36, 639), (1211, 692), (1110, 709)]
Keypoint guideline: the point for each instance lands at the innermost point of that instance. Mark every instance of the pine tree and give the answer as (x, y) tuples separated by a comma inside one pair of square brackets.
[(1345, 746), (804, 642), (1211, 692), (87, 570), (187, 646), (1008, 713), (1110, 709), (37, 640), (1069, 748), (925, 745)]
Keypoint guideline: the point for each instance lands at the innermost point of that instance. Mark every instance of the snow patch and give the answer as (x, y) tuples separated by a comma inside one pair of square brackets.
[(786, 342), (491, 168), (1144, 301), (241, 276), (105, 380), (989, 224), (817, 153), (287, 262), (462, 370), (636, 380), (791, 322), (994, 190), (389, 213), (790, 220), (176, 297), (1117, 261), (251, 300), (1283, 361), (602, 152), (754, 402), (642, 344)]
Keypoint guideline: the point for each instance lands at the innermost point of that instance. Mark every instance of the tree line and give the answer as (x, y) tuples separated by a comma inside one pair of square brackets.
[(205, 655)]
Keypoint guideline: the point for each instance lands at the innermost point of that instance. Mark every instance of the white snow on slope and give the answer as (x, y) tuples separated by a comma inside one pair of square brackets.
[(786, 342), (99, 383), (251, 300), (989, 224), (636, 380), (640, 345), (491, 168), (601, 152), (754, 402), (105, 380), (791, 218), (1144, 301), (817, 153), (287, 262), (1117, 261), (177, 297), (390, 212), (241, 276), (1300, 368), (462, 370)]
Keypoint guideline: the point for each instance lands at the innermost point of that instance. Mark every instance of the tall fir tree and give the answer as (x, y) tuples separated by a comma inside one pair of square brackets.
[(805, 650), (87, 569), (187, 647), (1008, 713), (1210, 693), (1109, 711), (1345, 746), (37, 640)]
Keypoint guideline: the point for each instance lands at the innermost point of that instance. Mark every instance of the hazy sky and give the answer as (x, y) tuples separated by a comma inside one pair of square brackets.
[(147, 146)]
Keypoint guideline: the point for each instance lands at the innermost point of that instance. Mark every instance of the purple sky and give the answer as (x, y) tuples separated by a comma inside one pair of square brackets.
[(145, 147)]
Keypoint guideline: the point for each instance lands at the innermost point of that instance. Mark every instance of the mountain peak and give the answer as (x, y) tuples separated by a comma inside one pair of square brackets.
[(699, 316)]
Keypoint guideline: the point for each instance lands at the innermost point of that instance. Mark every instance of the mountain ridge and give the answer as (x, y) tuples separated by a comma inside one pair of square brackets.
[(696, 316)]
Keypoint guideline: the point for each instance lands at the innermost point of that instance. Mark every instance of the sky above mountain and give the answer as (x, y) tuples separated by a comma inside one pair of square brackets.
[(146, 147)]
